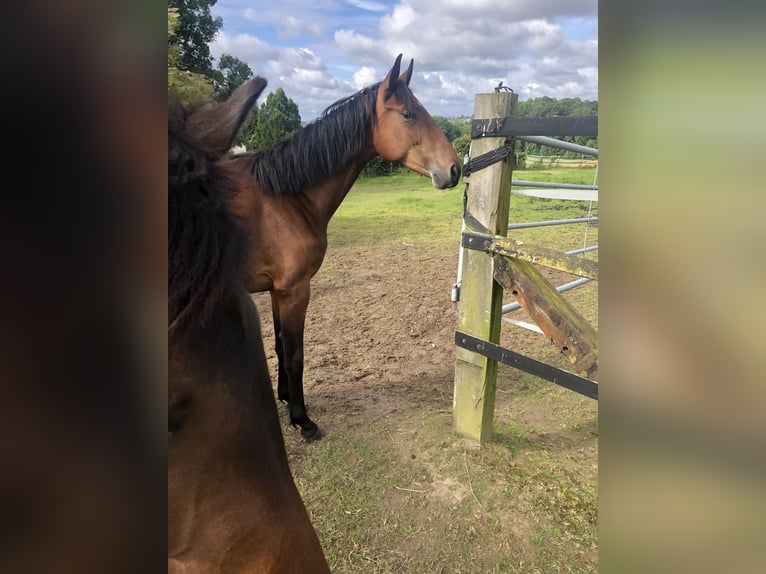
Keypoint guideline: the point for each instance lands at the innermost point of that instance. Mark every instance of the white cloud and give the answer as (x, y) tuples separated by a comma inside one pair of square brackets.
[(401, 20), (351, 42), (294, 28), (507, 10), (541, 35), (365, 76), (244, 46), (460, 48), (472, 46), (367, 5)]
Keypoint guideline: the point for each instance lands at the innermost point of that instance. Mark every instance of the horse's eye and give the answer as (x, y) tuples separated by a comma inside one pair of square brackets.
[(406, 114)]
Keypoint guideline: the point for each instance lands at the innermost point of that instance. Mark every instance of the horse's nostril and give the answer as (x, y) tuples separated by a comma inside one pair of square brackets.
[(454, 173)]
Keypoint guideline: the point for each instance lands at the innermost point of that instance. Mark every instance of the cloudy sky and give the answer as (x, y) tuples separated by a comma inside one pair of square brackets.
[(321, 50)]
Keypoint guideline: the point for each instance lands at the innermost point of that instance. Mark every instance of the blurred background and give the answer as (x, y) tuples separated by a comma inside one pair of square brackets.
[(683, 431)]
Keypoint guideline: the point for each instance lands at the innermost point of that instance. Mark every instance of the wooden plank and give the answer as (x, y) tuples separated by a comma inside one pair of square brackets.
[(572, 334), (479, 308), (574, 264), (558, 126), (529, 365)]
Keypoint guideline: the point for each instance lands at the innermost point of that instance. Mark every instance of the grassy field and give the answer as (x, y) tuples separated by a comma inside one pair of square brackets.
[(393, 489), (407, 208)]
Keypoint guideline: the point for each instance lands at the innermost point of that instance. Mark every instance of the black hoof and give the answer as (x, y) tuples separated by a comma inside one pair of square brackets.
[(312, 433)]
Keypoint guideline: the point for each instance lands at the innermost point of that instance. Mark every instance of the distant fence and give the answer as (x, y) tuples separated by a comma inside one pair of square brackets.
[(555, 161), (491, 262)]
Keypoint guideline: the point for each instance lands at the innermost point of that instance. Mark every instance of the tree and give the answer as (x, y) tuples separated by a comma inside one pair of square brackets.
[(378, 166), (246, 134), (196, 29), (232, 72), (277, 117), (183, 86), (448, 127), (462, 145)]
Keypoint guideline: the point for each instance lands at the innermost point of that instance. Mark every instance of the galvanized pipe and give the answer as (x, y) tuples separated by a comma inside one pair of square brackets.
[(561, 288), (526, 183), (583, 250), (528, 224), (552, 142)]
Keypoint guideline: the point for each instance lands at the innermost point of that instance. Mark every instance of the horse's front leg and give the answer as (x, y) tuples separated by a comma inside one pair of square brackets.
[(282, 381), (292, 305)]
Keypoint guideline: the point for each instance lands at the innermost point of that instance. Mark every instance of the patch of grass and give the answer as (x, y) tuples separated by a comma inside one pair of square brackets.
[(341, 478), (581, 176), (410, 498), (406, 208), (401, 208)]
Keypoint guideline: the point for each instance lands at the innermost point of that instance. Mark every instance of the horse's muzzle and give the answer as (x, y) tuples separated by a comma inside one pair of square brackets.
[(442, 180)]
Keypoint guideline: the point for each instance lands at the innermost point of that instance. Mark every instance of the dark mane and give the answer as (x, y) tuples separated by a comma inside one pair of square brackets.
[(318, 149), (206, 247)]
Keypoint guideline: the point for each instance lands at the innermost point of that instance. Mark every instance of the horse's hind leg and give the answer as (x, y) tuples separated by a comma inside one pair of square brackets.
[(292, 306)]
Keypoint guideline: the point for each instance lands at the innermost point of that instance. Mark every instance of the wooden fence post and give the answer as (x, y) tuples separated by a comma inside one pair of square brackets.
[(481, 298)]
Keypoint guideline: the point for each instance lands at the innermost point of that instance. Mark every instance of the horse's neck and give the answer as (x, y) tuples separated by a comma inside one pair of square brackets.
[(228, 436), (328, 194)]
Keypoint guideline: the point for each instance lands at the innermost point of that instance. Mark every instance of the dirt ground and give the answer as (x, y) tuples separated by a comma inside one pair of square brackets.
[(379, 354), (379, 320)]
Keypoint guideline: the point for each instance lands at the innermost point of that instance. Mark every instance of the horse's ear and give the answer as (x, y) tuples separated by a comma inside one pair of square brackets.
[(389, 84), (394, 72), (407, 75), (216, 123)]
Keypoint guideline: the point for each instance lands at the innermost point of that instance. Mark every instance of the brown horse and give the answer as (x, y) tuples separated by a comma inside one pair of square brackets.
[(288, 194), (232, 504)]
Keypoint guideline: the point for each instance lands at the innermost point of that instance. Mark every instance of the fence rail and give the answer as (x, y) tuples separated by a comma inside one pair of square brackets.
[(514, 127), (560, 144)]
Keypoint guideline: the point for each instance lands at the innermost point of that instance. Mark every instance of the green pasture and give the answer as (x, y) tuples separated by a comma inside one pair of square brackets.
[(407, 208)]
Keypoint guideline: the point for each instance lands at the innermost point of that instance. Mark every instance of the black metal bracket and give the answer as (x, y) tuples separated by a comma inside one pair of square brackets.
[(477, 241), (486, 159), (557, 126), (529, 365)]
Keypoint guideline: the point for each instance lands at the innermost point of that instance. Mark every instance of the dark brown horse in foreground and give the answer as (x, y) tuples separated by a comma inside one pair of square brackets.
[(232, 504), (288, 194)]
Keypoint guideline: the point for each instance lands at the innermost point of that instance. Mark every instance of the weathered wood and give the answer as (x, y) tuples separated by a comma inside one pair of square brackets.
[(559, 126), (574, 264), (574, 336), (479, 308)]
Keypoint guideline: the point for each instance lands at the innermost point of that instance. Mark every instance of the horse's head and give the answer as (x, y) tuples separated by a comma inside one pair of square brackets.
[(404, 131), (205, 246)]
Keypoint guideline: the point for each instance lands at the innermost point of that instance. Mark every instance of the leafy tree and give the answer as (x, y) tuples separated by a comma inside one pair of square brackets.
[(232, 72), (246, 134), (379, 166), (183, 85), (173, 50), (462, 145), (448, 127), (196, 29), (277, 117)]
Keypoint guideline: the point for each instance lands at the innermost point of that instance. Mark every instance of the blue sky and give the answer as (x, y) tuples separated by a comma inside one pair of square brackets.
[(319, 51)]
